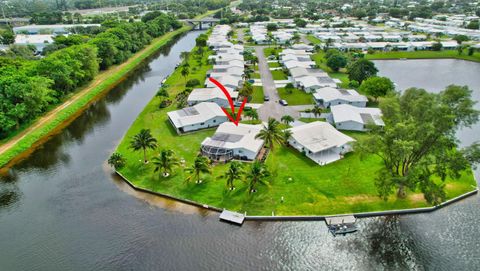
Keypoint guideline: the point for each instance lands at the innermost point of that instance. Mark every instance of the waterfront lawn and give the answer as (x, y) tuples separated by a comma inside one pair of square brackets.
[(255, 75), (257, 96), (424, 55), (345, 186), (279, 75), (297, 97)]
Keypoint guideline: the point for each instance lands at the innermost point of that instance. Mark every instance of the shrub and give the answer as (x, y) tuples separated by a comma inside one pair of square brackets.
[(193, 82), (165, 103)]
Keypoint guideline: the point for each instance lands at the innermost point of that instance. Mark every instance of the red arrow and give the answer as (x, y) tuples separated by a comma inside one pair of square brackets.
[(230, 101)]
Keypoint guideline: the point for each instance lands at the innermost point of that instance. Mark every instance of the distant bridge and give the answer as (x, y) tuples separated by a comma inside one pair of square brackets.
[(201, 22)]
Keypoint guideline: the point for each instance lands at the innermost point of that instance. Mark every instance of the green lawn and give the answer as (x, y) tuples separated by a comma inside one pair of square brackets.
[(273, 64), (424, 55), (297, 97), (255, 75), (279, 75), (257, 96), (345, 186), (268, 51), (313, 39)]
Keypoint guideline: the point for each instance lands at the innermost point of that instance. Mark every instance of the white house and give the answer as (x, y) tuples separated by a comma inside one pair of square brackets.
[(349, 117), (213, 95), (39, 41), (229, 82), (329, 96), (233, 142), (200, 116), (320, 141)]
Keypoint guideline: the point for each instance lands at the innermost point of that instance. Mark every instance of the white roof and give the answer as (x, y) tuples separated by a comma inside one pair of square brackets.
[(308, 81), (230, 136), (206, 94), (319, 136), (226, 80), (295, 63), (33, 39), (295, 52), (196, 114), (329, 94), (346, 112), (297, 72)]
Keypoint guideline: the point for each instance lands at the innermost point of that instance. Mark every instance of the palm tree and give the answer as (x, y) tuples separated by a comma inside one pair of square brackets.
[(165, 161), (143, 141), (185, 72), (252, 114), (254, 61), (317, 111), (287, 119), (234, 172), (200, 165), (116, 160), (246, 90), (257, 173), (270, 133), (286, 134), (184, 56)]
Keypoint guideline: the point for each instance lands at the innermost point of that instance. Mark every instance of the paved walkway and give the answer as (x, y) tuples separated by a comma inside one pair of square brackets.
[(271, 108)]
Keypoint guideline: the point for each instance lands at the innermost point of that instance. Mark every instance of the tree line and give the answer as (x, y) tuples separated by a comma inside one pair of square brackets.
[(29, 85)]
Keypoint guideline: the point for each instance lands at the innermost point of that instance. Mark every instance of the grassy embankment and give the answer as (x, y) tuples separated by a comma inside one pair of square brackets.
[(47, 124), (308, 189)]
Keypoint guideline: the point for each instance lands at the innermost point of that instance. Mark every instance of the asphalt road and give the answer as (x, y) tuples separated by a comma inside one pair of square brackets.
[(272, 108)]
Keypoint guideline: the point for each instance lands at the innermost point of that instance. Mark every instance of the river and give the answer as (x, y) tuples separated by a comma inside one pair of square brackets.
[(63, 209)]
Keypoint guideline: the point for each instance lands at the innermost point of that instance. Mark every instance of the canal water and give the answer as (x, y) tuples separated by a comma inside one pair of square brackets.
[(62, 209)]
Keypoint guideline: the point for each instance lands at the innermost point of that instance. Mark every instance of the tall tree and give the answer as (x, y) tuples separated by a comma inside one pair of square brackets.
[(377, 86), (257, 173), (418, 144), (361, 70), (234, 172), (165, 162), (287, 119), (143, 141), (185, 72), (270, 133), (200, 165), (117, 161)]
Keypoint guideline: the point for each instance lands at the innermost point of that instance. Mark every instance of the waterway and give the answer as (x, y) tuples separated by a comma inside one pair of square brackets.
[(63, 209)]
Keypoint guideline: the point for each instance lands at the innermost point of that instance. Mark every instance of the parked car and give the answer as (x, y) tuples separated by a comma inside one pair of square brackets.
[(266, 98), (283, 102)]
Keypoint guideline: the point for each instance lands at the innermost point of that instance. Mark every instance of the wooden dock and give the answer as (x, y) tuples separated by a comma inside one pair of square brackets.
[(232, 217), (340, 220)]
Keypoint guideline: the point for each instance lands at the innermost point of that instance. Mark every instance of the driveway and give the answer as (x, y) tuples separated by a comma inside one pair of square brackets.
[(271, 108)]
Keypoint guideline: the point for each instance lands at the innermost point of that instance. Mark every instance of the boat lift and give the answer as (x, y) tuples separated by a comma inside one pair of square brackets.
[(341, 224)]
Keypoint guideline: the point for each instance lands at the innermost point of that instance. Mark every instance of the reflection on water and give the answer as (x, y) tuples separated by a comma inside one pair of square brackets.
[(61, 209)]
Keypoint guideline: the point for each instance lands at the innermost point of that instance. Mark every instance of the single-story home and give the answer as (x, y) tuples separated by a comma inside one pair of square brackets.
[(213, 95), (349, 117), (328, 96), (233, 142), (200, 116), (320, 141), (229, 82)]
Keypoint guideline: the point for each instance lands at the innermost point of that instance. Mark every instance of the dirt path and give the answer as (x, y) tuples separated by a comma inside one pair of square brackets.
[(86, 90)]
